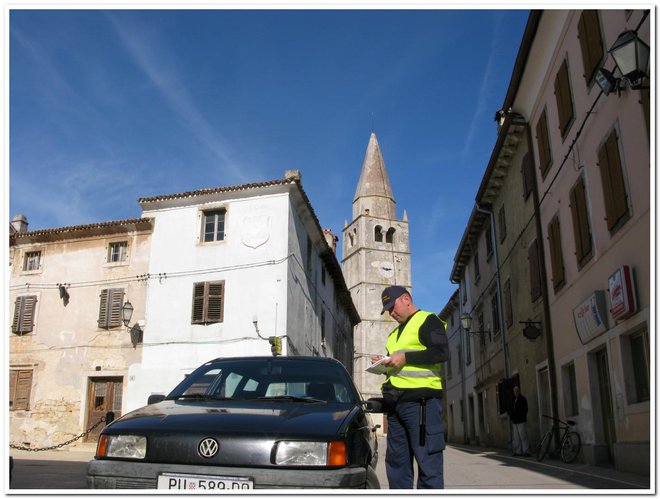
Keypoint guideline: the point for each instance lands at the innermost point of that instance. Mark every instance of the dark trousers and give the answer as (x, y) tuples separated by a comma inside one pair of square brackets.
[(403, 445)]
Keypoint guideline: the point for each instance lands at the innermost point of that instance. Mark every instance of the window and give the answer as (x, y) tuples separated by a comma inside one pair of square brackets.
[(534, 259), (468, 350), (389, 237), (308, 257), (636, 367), (508, 306), (543, 144), (527, 171), (118, 252), (32, 261), (480, 323), (477, 275), (489, 241), (569, 380), (495, 312), (501, 218), (614, 188), (24, 312), (378, 234), (214, 225), (564, 98), (20, 386), (459, 354), (208, 302), (591, 43), (110, 308), (556, 257), (581, 228)]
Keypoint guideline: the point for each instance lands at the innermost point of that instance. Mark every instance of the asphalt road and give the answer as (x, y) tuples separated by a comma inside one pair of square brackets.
[(466, 468)]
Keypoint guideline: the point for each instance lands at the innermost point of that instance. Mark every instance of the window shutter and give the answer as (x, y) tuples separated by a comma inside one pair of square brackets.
[(110, 308), (534, 269), (581, 228), (563, 96), (508, 306), (502, 223), (556, 259), (23, 320), (616, 199), (591, 42), (215, 299), (527, 170), (103, 309), (20, 385), (198, 303), (543, 144)]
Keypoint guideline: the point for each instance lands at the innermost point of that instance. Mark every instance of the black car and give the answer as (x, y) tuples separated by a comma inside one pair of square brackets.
[(244, 423)]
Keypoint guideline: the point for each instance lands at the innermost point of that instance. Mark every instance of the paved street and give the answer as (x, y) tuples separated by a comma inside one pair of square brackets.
[(466, 468)]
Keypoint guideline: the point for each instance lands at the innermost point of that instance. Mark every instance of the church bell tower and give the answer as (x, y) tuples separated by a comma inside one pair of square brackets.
[(375, 255)]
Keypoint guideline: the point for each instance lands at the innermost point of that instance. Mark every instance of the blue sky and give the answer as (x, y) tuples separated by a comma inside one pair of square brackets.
[(107, 106)]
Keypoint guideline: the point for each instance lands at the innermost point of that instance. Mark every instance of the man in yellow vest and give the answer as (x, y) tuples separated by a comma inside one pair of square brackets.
[(413, 393)]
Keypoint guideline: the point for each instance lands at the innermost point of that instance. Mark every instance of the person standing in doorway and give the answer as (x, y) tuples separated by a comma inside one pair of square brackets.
[(518, 416), (412, 393)]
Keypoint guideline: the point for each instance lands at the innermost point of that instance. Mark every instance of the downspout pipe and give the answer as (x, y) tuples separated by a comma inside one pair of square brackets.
[(493, 236), (462, 361)]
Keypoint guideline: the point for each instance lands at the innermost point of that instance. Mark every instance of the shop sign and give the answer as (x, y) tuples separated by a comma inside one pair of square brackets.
[(621, 286), (590, 317)]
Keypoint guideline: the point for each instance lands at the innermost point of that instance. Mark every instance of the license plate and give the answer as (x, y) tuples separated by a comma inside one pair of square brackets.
[(180, 481)]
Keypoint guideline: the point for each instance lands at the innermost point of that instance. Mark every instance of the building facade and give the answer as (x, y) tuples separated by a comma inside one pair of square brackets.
[(376, 254)]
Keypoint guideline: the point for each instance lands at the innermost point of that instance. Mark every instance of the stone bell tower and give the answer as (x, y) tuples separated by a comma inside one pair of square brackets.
[(375, 254)]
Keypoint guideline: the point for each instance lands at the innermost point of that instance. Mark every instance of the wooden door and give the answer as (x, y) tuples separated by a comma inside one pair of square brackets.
[(103, 395)]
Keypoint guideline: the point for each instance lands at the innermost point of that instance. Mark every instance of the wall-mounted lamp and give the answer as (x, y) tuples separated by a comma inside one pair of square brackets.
[(631, 56), (466, 322), (135, 331), (532, 329)]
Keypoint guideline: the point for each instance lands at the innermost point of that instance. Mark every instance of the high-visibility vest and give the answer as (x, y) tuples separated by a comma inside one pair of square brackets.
[(409, 376)]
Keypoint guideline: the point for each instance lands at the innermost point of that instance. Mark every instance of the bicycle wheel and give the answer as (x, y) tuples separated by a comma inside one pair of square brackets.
[(570, 447), (544, 446)]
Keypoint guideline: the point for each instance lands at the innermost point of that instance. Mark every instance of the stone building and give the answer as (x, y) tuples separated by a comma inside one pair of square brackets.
[(376, 254)]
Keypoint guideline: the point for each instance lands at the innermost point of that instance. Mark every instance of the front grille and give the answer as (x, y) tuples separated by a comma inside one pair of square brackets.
[(135, 483)]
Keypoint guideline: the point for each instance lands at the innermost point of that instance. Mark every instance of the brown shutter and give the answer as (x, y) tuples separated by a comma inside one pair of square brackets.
[(534, 270), (556, 259), (591, 42), (614, 191), (103, 309), (20, 385), (563, 96), (502, 223), (215, 299), (527, 170), (23, 320), (110, 308), (581, 230), (198, 303), (543, 144)]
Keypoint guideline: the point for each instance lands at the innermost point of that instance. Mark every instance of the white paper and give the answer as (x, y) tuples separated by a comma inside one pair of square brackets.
[(378, 367)]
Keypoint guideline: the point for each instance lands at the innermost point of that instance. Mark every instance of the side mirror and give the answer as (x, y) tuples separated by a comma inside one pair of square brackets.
[(154, 398), (375, 405)]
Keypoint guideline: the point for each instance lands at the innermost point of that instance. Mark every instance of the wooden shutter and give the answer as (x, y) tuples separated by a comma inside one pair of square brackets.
[(23, 320), (208, 302), (611, 174), (501, 215), (591, 43), (534, 270), (20, 385), (543, 144), (564, 99), (110, 308), (556, 258), (508, 306), (581, 229), (527, 170)]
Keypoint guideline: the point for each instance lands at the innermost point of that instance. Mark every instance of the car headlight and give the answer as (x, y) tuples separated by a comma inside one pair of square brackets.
[(122, 446), (293, 453)]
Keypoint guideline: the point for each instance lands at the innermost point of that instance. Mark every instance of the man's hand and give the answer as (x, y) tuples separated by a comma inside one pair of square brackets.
[(397, 360)]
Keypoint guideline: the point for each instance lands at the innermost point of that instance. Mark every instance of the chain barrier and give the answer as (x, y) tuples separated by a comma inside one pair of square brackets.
[(58, 446)]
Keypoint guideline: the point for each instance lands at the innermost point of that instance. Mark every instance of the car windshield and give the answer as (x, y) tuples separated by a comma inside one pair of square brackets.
[(269, 378)]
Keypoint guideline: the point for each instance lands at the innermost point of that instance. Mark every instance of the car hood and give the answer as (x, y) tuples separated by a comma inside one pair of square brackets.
[(238, 417)]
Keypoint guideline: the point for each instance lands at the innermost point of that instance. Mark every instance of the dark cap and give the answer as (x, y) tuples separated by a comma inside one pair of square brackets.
[(390, 295)]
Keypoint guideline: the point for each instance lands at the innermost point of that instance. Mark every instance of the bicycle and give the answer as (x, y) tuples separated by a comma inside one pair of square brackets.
[(569, 440)]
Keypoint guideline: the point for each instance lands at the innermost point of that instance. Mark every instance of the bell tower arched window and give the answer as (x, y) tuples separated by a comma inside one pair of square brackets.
[(389, 237), (378, 234)]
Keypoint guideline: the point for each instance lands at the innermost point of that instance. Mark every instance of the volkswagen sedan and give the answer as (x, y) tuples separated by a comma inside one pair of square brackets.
[(244, 423)]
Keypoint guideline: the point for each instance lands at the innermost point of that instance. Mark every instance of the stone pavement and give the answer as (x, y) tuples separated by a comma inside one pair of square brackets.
[(466, 468)]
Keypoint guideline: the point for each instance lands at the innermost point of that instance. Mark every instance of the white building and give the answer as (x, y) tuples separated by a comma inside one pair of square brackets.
[(231, 267)]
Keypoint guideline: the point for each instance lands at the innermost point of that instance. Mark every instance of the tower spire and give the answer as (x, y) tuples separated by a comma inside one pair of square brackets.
[(374, 192)]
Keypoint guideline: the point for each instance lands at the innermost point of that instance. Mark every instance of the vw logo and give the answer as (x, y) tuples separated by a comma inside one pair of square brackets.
[(208, 447)]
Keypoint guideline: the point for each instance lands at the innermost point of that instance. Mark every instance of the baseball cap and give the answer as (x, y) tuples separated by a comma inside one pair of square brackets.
[(390, 295)]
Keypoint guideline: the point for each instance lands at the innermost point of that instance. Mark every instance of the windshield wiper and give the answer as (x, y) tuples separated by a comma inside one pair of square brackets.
[(198, 396), (292, 398)]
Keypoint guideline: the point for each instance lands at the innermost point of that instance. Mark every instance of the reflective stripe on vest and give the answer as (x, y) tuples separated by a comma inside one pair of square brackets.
[(421, 376)]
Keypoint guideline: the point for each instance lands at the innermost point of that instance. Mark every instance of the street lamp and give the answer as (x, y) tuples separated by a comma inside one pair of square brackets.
[(136, 330), (126, 312), (466, 322)]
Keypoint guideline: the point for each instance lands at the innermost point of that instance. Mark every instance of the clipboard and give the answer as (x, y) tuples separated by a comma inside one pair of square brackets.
[(378, 367)]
